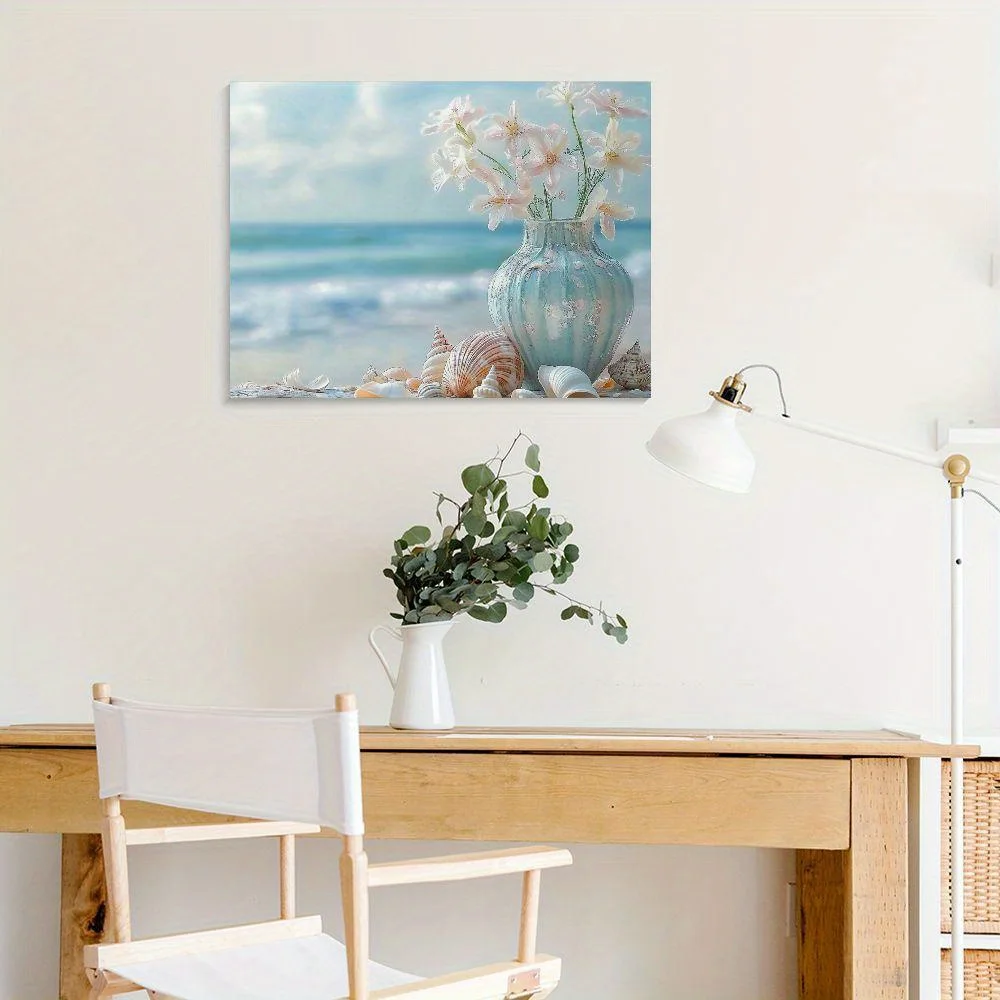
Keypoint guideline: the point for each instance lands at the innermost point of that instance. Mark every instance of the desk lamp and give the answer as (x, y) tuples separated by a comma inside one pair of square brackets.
[(709, 448)]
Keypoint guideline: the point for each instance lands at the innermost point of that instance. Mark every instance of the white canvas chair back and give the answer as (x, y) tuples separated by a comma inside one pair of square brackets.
[(294, 772), (281, 765)]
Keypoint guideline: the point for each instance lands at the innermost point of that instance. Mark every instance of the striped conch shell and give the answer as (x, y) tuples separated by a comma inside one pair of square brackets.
[(489, 388), (437, 358), (382, 390), (371, 375), (473, 358), (565, 382), (631, 370), (429, 390), (395, 375)]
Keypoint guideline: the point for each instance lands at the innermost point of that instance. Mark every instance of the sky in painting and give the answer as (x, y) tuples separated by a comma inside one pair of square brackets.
[(353, 152)]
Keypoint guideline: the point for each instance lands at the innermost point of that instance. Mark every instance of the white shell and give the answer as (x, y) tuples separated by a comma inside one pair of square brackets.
[(631, 370), (437, 358), (294, 381), (523, 393), (489, 388), (395, 375), (429, 390), (470, 362), (371, 375), (565, 382), (383, 390)]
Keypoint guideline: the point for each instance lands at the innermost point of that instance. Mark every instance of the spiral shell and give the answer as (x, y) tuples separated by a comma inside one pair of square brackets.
[(383, 390), (565, 382), (631, 370), (472, 359), (523, 393), (395, 375), (437, 357), (489, 388), (371, 375), (429, 390)]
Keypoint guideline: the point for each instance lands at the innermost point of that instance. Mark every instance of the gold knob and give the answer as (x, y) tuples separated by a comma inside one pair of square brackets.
[(956, 469)]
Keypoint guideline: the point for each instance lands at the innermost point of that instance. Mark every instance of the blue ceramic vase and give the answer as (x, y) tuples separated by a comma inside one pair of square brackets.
[(561, 298)]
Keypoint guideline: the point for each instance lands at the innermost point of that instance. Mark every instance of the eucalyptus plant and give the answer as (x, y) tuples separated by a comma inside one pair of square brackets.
[(493, 555)]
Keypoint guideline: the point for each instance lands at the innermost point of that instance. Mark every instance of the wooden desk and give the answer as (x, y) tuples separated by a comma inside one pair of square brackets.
[(838, 799)]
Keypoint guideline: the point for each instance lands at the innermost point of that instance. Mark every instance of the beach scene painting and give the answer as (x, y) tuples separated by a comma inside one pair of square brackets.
[(456, 240)]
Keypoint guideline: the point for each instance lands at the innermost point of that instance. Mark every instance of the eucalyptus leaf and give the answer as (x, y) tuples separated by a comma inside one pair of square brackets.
[(477, 477), (539, 487), (541, 562), (571, 552), (416, 535), (524, 592), (531, 458), (538, 527)]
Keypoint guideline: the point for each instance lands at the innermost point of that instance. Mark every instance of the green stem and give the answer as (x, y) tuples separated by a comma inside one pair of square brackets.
[(494, 160), (583, 176)]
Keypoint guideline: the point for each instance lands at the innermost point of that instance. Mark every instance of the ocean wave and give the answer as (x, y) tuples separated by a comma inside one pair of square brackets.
[(273, 312)]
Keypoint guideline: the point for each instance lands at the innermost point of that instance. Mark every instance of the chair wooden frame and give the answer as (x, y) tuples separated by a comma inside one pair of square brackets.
[(529, 975)]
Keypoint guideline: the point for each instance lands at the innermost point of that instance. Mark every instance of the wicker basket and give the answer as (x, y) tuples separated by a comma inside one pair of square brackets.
[(982, 975), (982, 848)]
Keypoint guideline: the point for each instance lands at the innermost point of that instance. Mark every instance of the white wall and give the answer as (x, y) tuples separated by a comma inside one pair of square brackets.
[(825, 199)]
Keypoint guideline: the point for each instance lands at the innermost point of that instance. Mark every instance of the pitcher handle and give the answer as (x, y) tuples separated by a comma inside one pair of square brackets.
[(396, 634)]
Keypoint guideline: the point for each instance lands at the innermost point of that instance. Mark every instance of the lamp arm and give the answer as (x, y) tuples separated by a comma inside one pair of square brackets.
[(921, 457)]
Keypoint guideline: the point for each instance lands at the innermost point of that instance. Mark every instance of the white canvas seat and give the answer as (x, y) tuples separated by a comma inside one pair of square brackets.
[(305, 968), (294, 772)]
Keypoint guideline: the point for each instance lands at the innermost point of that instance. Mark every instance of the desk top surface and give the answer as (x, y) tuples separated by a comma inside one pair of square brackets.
[(695, 742)]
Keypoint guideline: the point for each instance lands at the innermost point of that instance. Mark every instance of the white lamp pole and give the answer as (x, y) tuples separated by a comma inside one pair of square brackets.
[(708, 447)]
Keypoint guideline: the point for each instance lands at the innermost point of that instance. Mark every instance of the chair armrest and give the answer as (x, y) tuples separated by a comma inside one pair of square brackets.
[(453, 867)]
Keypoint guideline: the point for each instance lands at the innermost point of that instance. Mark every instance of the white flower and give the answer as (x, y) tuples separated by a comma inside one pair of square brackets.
[(607, 211), (616, 152), (500, 202), (566, 92), (549, 158), (511, 130), (614, 103), (456, 161), (459, 115)]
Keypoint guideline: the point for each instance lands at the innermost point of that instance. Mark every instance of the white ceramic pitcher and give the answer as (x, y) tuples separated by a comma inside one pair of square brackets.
[(422, 698)]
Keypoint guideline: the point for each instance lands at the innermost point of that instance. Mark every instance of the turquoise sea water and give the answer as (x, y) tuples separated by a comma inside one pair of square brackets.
[(332, 298)]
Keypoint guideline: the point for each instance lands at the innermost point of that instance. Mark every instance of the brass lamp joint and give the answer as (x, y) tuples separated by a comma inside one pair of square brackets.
[(956, 470), (731, 393)]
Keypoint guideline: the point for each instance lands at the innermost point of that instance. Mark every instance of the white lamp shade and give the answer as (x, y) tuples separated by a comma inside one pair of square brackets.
[(706, 447)]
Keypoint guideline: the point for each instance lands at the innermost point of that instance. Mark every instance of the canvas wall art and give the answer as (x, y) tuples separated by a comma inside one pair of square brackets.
[(449, 241)]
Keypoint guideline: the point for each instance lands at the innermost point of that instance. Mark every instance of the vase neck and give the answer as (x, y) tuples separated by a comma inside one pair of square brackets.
[(563, 232)]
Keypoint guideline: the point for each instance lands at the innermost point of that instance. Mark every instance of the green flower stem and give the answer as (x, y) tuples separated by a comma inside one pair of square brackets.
[(500, 166), (583, 177)]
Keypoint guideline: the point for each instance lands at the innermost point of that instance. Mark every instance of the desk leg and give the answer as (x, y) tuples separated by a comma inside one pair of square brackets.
[(81, 919), (854, 922)]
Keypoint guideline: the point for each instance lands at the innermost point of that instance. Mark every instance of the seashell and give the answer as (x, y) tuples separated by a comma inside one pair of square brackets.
[(489, 388), (382, 390), (437, 357), (470, 362), (631, 370), (395, 375), (522, 393), (293, 380), (429, 390), (413, 384), (566, 382), (371, 375)]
